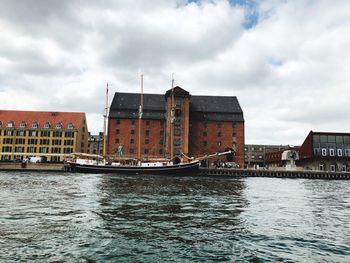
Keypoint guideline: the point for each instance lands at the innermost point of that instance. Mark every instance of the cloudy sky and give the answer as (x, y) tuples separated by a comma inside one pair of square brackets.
[(288, 62)]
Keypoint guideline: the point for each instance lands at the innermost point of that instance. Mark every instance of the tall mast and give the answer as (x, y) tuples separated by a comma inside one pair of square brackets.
[(105, 125), (140, 120), (172, 118)]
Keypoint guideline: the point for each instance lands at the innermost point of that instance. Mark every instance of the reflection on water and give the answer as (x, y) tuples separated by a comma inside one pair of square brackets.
[(99, 218)]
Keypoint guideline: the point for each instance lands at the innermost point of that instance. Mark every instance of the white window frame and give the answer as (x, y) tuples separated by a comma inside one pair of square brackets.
[(35, 125), (22, 124), (321, 167), (331, 152), (47, 125), (332, 167), (10, 124), (340, 152), (58, 126), (324, 152)]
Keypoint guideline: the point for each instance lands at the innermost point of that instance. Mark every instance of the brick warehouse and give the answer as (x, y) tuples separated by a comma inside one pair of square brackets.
[(202, 125)]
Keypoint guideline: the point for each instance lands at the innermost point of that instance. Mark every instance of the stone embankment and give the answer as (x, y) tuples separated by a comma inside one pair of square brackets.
[(40, 167), (237, 173)]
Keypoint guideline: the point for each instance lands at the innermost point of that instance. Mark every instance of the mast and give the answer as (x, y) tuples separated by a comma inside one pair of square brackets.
[(140, 121), (105, 125), (172, 118)]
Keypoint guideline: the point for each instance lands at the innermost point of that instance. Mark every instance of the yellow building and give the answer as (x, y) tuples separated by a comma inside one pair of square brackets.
[(49, 135)]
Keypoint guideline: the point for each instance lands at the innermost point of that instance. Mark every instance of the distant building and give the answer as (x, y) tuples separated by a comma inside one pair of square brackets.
[(50, 135), (325, 151), (95, 144), (202, 125), (258, 155)]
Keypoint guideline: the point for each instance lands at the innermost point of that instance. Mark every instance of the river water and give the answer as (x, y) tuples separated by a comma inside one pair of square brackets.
[(108, 218)]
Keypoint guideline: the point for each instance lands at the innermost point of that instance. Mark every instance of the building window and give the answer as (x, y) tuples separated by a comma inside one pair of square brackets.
[(69, 134), (205, 134), (147, 132), (205, 143), (58, 126), (10, 124), (57, 134), (324, 152), (146, 151), (22, 125), (9, 133), (345, 167), (219, 134), (333, 167), (132, 132), (331, 152), (70, 126), (117, 131), (117, 140), (45, 133), (7, 141), (47, 125), (339, 152), (117, 121), (35, 125), (322, 167), (132, 122), (160, 151), (131, 141), (146, 141)]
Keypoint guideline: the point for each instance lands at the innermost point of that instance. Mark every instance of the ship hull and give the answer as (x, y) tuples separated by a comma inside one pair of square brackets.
[(191, 168)]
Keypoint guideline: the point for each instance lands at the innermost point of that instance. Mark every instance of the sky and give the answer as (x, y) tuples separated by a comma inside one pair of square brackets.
[(288, 62)]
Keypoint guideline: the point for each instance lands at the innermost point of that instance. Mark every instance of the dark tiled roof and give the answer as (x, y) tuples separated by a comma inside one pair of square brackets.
[(216, 108), (126, 105)]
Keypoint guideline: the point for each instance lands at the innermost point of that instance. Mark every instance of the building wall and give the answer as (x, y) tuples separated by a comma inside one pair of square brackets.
[(39, 142), (208, 137), (125, 132), (51, 143)]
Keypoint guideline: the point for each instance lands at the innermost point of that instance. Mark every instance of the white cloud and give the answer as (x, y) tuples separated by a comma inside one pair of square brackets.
[(290, 71)]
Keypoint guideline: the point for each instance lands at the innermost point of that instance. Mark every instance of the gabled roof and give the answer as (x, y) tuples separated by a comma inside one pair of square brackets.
[(126, 105), (206, 108), (218, 108), (41, 117)]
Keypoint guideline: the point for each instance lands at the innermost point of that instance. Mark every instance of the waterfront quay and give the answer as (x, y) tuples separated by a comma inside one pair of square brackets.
[(212, 172), (229, 172)]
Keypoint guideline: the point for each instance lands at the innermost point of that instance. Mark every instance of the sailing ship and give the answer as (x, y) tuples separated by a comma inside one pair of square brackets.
[(97, 164)]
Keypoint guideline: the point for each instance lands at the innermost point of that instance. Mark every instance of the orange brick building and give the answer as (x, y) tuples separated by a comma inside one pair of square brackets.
[(201, 125)]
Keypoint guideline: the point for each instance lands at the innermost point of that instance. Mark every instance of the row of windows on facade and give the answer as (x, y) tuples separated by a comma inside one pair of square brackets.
[(331, 152), (331, 138), (133, 122), (132, 141), (334, 167), (161, 132), (35, 125), (253, 157), (31, 149), (145, 151), (37, 133), (36, 141), (205, 124)]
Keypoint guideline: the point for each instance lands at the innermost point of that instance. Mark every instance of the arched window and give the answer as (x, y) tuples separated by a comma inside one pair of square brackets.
[(345, 167), (59, 125), (70, 126), (35, 125), (333, 167)]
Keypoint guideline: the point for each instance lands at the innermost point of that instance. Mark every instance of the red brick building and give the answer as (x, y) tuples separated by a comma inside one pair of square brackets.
[(201, 125)]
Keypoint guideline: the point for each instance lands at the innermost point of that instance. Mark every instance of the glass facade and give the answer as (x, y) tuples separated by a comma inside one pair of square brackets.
[(331, 145)]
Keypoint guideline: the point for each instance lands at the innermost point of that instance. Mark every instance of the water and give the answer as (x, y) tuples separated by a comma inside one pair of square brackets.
[(104, 218)]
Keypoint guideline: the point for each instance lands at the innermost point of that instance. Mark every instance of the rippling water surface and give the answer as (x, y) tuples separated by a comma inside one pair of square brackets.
[(109, 218)]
